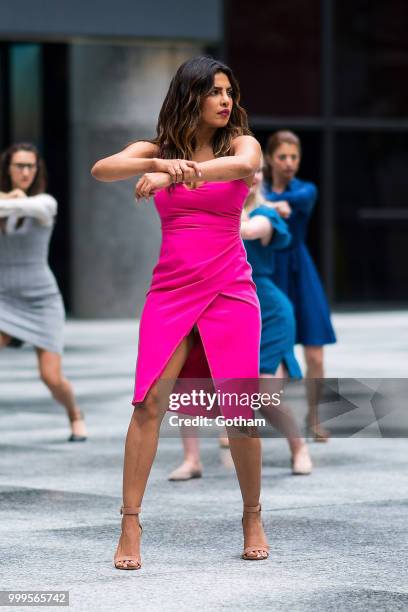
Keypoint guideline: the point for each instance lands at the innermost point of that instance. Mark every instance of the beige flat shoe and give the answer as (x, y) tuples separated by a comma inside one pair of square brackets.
[(134, 560), (185, 472), (261, 550), (302, 463)]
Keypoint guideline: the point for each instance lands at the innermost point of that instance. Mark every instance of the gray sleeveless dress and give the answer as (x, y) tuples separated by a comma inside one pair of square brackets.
[(31, 306)]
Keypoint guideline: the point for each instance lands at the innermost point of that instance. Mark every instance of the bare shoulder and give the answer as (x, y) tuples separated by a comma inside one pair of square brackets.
[(141, 148), (249, 148), (245, 143)]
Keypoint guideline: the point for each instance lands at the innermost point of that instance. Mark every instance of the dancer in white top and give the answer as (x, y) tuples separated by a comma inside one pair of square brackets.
[(31, 307)]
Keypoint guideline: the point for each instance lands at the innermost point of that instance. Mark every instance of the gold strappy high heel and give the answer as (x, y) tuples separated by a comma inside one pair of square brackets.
[(137, 564), (263, 549)]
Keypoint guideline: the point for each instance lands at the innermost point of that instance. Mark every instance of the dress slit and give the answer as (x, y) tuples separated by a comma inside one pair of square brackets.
[(212, 358), (173, 349)]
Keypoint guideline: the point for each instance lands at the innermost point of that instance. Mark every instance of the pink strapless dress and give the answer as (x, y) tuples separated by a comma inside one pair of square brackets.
[(202, 279)]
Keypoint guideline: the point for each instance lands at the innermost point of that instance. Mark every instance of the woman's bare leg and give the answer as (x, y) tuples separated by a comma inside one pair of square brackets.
[(281, 417), (50, 367), (223, 440), (191, 466), (314, 374), (141, 446), (246, 453), (191, 446), (4, 340)]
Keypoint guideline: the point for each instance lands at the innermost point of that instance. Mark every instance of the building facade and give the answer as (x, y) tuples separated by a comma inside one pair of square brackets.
[(335, 72), (82, 84)]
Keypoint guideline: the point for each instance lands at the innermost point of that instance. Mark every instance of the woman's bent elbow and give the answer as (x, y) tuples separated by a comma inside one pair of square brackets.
[(98, 173), (250, 167), (248, 234), (95, 171)]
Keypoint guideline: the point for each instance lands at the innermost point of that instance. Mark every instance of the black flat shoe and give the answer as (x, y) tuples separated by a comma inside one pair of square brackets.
[(76, 438)]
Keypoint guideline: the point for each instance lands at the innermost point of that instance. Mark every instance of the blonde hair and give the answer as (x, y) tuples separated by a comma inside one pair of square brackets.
[(256, 197)]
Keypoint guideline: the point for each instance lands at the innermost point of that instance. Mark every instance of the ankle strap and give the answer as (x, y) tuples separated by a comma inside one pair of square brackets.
[(129, 510), (252, 508)]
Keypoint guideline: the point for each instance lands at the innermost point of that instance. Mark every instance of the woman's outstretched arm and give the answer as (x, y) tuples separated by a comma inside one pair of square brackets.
[(257, 228), (244, 162), (300, 199), (42, 207), (140, 158), (135, 159)]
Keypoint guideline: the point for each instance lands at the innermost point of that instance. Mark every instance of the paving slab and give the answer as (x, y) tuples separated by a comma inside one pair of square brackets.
[(338, 537)]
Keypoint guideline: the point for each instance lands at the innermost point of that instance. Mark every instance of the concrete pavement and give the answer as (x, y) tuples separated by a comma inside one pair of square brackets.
[(338, 538)]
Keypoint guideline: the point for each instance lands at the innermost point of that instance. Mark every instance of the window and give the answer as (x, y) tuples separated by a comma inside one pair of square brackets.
[(371, 58), (371, 217), (274, 49)]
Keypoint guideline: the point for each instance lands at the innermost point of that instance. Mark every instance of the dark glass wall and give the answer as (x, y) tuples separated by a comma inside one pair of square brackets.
[(336, 73), (55, 113), (371, 222), (371, 58), (4, 95), (274, 47)]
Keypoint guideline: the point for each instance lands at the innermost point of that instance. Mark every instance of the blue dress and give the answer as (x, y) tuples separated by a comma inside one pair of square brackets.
[(278, 321), (296, 274)]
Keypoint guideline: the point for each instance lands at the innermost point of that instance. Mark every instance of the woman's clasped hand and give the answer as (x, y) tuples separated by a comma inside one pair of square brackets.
[(167, 171)]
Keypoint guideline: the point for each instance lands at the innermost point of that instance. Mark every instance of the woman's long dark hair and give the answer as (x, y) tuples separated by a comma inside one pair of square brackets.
[(181, 110), (39, 183), (274, 141)]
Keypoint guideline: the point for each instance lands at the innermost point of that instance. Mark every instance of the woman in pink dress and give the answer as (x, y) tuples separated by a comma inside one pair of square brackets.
[(199, 168)]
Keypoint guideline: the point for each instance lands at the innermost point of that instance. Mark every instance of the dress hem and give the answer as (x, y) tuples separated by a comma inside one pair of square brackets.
[(15, 333), (293, 370)]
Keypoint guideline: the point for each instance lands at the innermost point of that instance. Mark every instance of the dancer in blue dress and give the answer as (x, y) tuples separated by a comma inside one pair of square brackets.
[(295, 272), (264, 233), (278, 322)]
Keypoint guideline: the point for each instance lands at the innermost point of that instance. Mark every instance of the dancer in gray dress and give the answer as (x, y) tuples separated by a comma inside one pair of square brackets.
[(31, 306)]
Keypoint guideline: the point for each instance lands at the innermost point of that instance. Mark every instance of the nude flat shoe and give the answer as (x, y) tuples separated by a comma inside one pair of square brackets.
[(184, 472), (302, 463), (135, 559), (261, 549)]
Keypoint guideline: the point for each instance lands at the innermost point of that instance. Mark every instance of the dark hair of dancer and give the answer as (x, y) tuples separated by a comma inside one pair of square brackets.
[(274, 141), (39, 183), (180, 113)]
